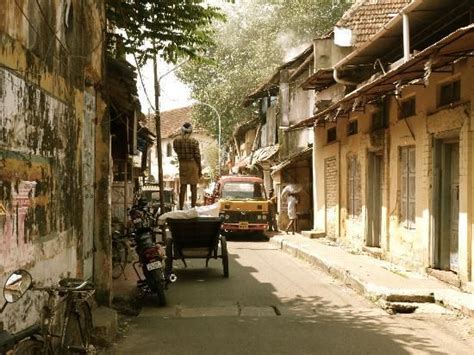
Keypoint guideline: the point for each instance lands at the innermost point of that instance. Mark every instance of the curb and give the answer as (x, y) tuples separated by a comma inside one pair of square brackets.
[(377, 294)]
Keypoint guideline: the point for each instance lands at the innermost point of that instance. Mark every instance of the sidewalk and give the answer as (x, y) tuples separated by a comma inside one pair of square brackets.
[(382, 282)]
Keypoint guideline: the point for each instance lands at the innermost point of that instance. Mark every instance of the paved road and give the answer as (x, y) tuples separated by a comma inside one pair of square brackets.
[(275, 304)]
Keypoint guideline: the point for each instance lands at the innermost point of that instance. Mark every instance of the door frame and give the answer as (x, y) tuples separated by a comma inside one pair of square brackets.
[(441, 184), (374, 202)]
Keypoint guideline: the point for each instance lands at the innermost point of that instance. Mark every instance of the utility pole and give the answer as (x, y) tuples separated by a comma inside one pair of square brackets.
[(158, 132)]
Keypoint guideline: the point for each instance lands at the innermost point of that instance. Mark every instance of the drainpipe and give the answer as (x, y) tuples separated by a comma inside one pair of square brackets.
[(406, 38), (338, 80)]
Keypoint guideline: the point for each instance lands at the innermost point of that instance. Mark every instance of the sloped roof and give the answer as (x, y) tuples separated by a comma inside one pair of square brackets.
[(271, 85), (172, 120), (367, 17)]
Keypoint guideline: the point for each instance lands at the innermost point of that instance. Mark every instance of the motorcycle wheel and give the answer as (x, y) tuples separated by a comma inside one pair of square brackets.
[(157, 285)]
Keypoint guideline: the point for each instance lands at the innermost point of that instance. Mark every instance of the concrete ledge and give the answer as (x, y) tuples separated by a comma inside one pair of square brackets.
[(313, 234)]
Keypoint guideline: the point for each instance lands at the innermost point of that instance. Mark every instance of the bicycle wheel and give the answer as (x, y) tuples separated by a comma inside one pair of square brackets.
[(29, 347), (119, 258), (78, 330)]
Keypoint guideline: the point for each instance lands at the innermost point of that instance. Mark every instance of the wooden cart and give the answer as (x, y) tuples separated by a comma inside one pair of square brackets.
[(196, 238)]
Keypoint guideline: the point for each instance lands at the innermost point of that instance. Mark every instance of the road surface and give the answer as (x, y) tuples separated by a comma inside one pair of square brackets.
[(275, 304)]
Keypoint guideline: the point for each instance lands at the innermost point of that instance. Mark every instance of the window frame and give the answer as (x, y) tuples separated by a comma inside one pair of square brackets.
[(454, 96), (354, 195), (402, 114), (352, 127), (407, 207), (329, 133)]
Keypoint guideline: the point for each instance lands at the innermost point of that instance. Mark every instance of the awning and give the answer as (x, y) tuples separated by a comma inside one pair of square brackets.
[(437, 56), (145, 138), (259, 156), (293, 159), (320, 80)]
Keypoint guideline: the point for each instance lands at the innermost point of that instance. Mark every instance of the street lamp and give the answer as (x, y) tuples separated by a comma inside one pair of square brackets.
[(219, 133)]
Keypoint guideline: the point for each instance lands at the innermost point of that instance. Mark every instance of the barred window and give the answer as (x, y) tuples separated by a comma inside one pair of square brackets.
[(353, 187), (408, 107), (407, 184), (331, 134), (449, 93)]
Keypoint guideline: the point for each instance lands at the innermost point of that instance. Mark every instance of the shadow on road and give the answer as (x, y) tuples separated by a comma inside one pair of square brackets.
[(297, 325)]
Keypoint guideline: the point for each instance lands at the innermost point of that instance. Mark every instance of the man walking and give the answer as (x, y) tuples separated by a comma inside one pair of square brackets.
[(189, 158)]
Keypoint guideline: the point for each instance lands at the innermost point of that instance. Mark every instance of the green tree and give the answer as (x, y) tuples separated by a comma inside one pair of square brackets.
[(168, 27), (248, 48)]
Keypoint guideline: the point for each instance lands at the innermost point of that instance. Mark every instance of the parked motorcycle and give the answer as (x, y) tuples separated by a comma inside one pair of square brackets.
[(151, 255)]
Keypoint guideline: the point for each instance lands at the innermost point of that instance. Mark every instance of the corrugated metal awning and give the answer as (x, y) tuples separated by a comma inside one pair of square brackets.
[(293, 159), (320, 80), (260, 155), (458, 44)]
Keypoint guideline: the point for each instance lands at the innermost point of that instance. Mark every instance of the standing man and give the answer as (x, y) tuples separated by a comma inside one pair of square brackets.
[(189, 158), (272, 211)]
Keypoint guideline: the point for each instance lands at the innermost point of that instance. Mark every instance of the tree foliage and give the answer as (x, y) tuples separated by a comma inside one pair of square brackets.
[(258, 36), (169, 27)]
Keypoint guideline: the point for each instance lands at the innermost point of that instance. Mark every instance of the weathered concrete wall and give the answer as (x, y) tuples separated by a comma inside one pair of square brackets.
[(42, 85), (301, 101)]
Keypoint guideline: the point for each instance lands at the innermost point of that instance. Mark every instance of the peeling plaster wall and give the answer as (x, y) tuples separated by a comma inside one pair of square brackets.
[(42, 109)]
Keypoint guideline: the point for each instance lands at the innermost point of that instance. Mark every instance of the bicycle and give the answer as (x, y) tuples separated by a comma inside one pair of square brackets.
[(67, 332), (119, 255)]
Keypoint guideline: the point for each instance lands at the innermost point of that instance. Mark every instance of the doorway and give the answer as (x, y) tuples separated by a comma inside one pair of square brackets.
[(374, 199), (446, 204)]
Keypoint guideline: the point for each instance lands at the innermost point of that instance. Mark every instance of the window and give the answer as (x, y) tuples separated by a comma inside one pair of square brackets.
[(353, 187), (408, 107), (169, 150), (352, 128), (331, 134), (449, 93), (242, 190), (407, 185)]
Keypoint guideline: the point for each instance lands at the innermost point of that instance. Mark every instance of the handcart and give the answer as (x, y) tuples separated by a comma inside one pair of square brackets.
[(196, 238)]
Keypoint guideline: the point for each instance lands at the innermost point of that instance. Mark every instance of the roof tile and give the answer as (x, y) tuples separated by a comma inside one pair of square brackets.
[(366, 17)]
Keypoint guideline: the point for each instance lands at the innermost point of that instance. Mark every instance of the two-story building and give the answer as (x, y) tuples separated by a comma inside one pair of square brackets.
[(393, 154)]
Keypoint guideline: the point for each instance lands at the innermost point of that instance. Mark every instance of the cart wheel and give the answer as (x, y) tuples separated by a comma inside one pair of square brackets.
[(169, 258), (225, 256)]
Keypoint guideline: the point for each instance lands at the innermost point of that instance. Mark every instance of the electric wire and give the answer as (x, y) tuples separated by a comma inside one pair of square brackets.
[(138, 68), (49, 26), (52, 52)]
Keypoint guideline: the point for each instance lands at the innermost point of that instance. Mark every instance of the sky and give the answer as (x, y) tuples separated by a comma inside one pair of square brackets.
[(174, 93)]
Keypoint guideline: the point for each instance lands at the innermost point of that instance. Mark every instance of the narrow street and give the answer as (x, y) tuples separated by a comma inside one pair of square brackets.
[(276, 304)]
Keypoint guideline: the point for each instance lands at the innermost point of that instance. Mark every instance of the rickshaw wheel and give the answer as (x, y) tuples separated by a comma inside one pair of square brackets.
[(169, 258), (225, 256)]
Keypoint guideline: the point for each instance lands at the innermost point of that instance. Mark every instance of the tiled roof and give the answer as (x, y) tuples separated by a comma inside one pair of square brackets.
[(172, 120), (366, 17)]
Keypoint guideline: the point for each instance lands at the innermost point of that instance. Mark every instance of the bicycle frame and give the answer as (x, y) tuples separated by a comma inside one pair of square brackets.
[(70, 299)]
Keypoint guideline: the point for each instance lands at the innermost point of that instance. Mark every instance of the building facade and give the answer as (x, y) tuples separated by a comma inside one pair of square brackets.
[(52, 149)]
